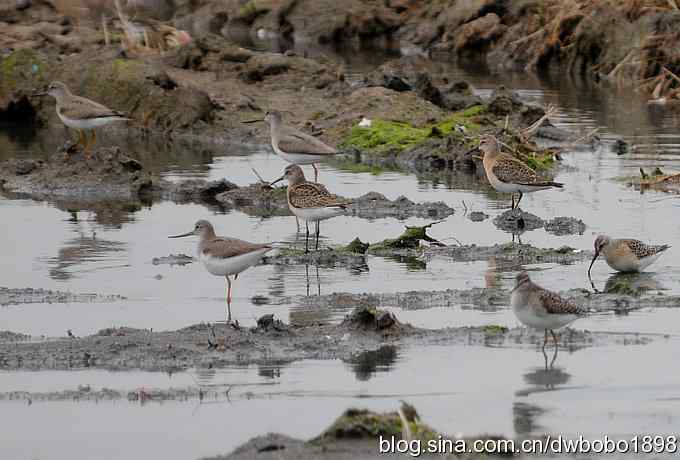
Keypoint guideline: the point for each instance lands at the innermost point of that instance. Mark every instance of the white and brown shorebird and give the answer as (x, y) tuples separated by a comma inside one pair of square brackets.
[(224, 256), (310, 201), (625, 254), (80, 113), (540, 308), (507, 174), (294, 146)]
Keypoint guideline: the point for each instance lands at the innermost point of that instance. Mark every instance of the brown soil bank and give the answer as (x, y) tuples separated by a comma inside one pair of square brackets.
[(625, 41)]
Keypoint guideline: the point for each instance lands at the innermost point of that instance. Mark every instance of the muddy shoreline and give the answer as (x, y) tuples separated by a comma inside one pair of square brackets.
[(220, 345)]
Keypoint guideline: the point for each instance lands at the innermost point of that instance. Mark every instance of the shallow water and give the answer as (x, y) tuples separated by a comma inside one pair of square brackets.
[(457, 389), (467, 397)]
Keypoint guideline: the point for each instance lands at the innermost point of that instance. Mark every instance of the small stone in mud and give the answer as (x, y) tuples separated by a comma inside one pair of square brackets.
[(620, 147), (371, 319), (565, 226), (23, 167), (515, 219), (477, 216)]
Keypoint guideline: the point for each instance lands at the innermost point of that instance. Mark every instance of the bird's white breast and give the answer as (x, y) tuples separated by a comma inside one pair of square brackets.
[(231, 265), (316, 214)]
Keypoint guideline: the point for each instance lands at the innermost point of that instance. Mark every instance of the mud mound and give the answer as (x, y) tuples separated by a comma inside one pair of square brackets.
[(108, 175), (368, 319)]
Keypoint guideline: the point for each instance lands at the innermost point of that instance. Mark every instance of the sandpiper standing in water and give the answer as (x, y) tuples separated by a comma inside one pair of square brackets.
[(626, 255), (507, 174), (310, 201), (223, 256), (542, 309), (80, 113), (294, 146)]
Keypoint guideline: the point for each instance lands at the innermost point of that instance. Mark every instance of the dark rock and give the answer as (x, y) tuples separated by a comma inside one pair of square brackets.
[(503, 101), (23, 167), (424, 88), (565, 226), (209, 53), (620, 147), (163, 80), (516, 220), (477, 216)]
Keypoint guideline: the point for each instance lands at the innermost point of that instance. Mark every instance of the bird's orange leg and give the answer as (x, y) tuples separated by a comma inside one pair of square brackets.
[(228, 300)]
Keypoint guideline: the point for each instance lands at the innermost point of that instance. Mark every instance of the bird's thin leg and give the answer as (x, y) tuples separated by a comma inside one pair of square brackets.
[(554, 357), (512, 206), (545, 340), (520, 199), (317, 235), (297, 224), (316, 172), (554, 338), (307, 238), (228, 300)]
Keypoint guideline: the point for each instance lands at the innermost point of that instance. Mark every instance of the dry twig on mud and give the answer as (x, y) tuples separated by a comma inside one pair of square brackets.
[(526, 133)]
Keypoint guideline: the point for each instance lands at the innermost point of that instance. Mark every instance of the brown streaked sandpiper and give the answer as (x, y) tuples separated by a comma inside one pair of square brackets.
[(625, 254), (310, 201), (508, 174), (80, 113), (223, 256), (542, 309), (293, 145)]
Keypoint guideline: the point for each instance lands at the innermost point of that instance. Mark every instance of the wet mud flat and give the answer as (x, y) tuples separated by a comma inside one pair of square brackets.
[(203, 345)]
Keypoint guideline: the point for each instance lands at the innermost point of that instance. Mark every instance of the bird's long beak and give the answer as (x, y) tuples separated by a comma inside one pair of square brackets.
[(191, 233), (277, 180), (597, 253), (257, 120), (43, 93)]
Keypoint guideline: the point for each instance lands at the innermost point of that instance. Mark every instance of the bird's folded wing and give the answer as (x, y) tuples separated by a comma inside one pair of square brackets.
[(555, 304), (313, 195), (81, 108), (294, 141), (224, 248), (642, 250), (511, 170)]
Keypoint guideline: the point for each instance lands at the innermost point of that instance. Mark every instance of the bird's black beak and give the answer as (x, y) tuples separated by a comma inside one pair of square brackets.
[(277, 180), (43, 93), (253, 121), (597, 253), (183, 235)]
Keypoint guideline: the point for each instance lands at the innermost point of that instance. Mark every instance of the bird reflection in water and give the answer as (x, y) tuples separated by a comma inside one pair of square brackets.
[(367, 363)]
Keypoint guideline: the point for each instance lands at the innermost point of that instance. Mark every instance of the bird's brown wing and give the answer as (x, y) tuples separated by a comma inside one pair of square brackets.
[(295, 141), (642, 250), (313, 195), (225, 248), (555, 304), (511, 170)]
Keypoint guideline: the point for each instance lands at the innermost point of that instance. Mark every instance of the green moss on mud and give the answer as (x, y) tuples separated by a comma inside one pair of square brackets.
[(493, 329), (385, 135), (21, 66), (540, 161)]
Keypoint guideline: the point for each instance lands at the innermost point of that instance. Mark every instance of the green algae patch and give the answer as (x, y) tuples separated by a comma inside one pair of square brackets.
[(540, 161), (386, 135), (20, 68), (494, 329)]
